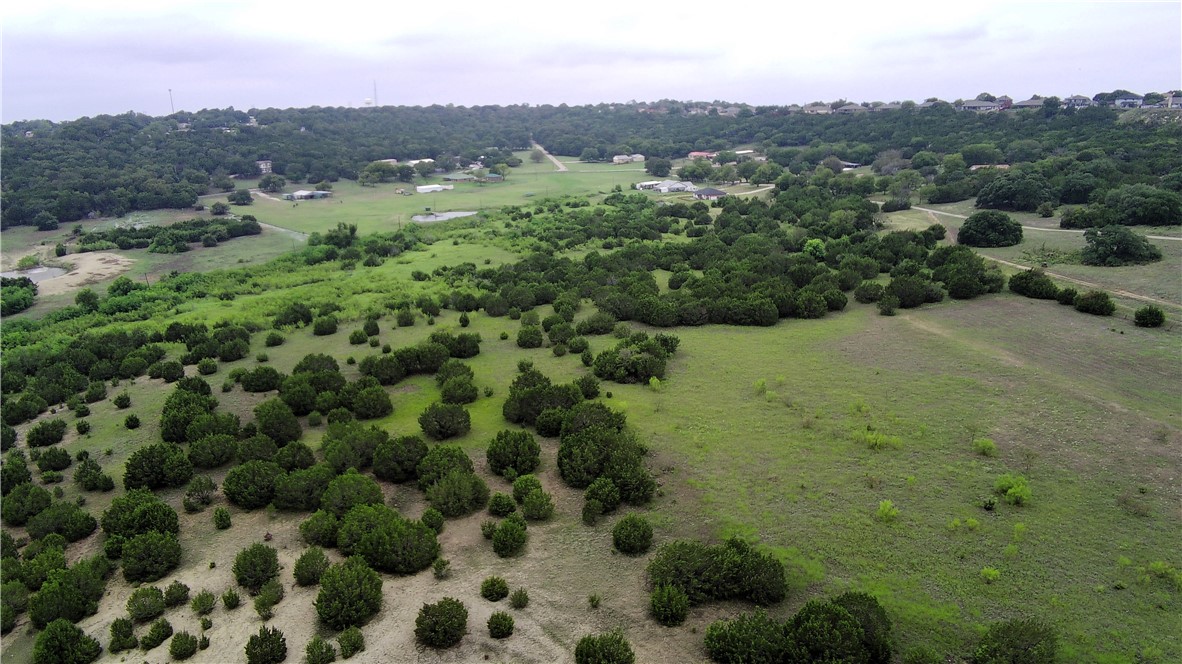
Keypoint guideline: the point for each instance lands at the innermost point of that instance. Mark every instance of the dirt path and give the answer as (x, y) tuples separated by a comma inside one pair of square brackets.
[(558, 165), (1039, 228), (755, 191), (1079, 282)]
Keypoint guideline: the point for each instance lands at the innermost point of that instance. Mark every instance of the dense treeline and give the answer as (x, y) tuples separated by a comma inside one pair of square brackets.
[(110, 165), (169, 239)]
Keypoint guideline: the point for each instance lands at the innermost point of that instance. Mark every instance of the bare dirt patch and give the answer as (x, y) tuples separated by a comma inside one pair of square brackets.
[(87, 269)]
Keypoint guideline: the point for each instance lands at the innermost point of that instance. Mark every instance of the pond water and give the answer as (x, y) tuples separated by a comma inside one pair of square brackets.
[(36, 274), (441, 216)]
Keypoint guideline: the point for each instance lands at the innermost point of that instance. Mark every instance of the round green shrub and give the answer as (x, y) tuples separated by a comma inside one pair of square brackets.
[(500, 625), (632, 535), (610, 648), (1149, 316), (231, 599), (255, 565), (145, 603), (510, 537), (442, 624), (351, 641), (1097, 303), (494, 589), (221, 518), (669, 605), (501, 505), (267, 647), (176, 594), (538, 506), (182, 646), (319, 651), (310, 566), (525, 485), (433, 519), (350, 594)]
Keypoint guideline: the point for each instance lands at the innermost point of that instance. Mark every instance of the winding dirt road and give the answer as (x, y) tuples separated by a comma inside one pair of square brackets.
[(1038, 228)]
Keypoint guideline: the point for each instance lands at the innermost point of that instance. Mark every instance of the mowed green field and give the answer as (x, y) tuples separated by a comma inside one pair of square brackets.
[(381, 209)]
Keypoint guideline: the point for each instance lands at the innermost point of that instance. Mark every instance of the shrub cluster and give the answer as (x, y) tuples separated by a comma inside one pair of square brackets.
[(732, 570)]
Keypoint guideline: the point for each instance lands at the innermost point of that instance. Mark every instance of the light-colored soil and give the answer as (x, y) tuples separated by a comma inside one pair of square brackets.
[(930, 211), (562, 565), (89, 268)]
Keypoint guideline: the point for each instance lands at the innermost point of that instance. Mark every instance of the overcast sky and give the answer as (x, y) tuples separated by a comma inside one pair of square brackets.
[(64, 59)]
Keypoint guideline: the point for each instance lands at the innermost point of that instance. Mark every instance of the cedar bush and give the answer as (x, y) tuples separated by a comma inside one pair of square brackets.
[(176, 594), (513, 450), (318, 650), (310, 566), (610, 648), (63, 643), (494, 589), (510, 536), (122, 636), (501, 505), (351, 641), (183, 646), (157, 633), (150, 556), (255, 565), (350, 594), (442, 624), (1149, 316), (669, 605), (500, 625), (267, 647), (632, 535), (145, 603)]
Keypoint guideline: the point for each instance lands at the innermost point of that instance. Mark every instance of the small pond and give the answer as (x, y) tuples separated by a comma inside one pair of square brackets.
[(441, 216), (36, 274)]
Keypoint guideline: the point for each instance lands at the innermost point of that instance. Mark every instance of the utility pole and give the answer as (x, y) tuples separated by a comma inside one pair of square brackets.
[(170, 104)]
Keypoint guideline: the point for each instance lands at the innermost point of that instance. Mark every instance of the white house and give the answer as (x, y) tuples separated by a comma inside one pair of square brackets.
[(264, 166), (1128, 101), (622, 159), (649, 184), (674, 186), (978, 106), (1077, 101)]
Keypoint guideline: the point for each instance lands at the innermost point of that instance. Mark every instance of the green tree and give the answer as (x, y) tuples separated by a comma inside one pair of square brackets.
[(272, 183), (252, 484), (825, 632), (990, 229), (442, 624), (255, 565), (150, 556), (267, 647), (63, 643), (610, 648), (276, 420), (240, 197), (1112, 246), (350, 594)]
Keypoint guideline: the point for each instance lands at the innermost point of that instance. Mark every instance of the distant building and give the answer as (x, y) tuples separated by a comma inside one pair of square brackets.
[(494, 177), (675, 186), (1077, 101), (699, 154), (817, 109), (893, 106), (264, 166), (851, 109), (1033, 102), (304, 195), (978, 106), (1004, 102), (459, 177), (432, 188), (1128, 101), (650, 184), (709, 194)]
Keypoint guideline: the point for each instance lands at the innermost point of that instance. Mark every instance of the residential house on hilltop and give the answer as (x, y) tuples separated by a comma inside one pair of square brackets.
[(1004, 102), (851, 109), (817, 109), (1077, 101), (1130, 100), (264, 166), (892, 106), (1033, 102), (978, 106)]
